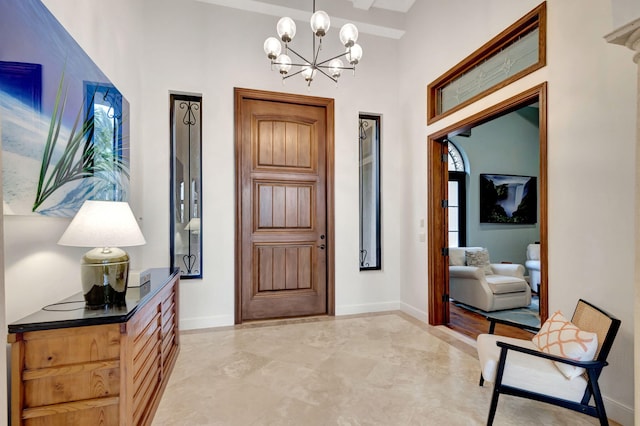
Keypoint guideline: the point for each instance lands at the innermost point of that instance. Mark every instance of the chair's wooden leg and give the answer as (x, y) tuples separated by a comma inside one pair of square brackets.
[(492, 327), (597, 397), (493, 407), (496, 386)]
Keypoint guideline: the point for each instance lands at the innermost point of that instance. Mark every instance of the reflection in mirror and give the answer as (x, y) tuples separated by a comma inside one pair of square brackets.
[(107, 114), (369, 141), (186, 185)]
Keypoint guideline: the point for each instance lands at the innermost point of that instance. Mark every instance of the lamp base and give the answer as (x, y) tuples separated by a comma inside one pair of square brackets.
[(105, 275)]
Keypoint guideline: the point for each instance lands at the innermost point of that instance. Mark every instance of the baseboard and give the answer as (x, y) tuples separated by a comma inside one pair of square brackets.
[(206, 322), (618, 412), (414, 312), (227, 320), (367, 308)]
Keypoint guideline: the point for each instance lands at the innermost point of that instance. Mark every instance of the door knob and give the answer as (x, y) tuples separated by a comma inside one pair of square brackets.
[(321, 246)]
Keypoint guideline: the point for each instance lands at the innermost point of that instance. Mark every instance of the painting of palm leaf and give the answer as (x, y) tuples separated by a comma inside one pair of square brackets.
[(89, 152), (64, 127)]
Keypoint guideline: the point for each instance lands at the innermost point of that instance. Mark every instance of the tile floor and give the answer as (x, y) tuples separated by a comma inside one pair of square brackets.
[(378, 369)]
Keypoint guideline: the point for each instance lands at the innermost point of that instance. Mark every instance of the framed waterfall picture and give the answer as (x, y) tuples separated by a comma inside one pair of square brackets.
[(64, 126), (508, 199)]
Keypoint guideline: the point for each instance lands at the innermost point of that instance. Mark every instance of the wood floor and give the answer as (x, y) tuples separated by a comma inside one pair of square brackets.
[(471, 324)]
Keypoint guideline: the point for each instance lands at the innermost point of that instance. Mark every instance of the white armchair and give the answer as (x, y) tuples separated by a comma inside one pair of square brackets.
[(556, 368), (533, 265), (503, 288)]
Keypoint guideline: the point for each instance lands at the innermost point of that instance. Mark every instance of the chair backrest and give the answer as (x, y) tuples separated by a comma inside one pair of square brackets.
[(533, 252), (591, 318)]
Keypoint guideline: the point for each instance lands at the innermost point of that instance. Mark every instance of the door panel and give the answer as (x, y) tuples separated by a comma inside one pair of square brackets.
[(283, 267), (285, 144), (282, 203)]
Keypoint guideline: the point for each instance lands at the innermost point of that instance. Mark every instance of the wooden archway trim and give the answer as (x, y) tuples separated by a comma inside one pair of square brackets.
[(438, 271)]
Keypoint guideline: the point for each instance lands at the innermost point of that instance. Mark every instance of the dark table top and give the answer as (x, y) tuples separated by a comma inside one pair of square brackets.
[(71, 312)]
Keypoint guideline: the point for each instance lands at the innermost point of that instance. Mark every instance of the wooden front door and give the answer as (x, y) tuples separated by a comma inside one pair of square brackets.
[(283, 149)]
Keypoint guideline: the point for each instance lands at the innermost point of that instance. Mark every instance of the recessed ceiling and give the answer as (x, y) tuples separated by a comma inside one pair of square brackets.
[(387, 21), (395, 5)]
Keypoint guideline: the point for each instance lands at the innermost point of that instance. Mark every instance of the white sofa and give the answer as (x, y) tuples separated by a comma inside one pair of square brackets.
[(505, 288), (533, 265)]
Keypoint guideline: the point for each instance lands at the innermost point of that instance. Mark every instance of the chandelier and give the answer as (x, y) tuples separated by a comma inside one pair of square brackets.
[(331, 68)]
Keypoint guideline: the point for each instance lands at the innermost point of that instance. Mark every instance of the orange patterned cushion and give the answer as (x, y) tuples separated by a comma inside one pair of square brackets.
[(558, 336)]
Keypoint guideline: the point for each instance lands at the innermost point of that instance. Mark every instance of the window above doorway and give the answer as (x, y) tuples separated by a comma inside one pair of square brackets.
[(517, 51)]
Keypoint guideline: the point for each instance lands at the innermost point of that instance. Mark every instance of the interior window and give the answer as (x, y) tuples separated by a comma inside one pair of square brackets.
[(456, 197), (369, 141), (186, 184)]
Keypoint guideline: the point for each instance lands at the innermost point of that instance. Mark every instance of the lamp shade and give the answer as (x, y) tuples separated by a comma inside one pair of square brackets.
[(308, 72), (348, 34), (286, 29), (272, 47), (354, 54), (284, 63), (320, 23), (103, 224), (193, 225), (335, 67)]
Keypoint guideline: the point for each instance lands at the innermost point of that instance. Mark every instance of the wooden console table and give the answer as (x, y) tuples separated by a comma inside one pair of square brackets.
[(75, 366)]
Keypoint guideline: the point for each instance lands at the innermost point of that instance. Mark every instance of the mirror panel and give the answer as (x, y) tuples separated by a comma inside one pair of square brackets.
[(186, 185), (369, 152)]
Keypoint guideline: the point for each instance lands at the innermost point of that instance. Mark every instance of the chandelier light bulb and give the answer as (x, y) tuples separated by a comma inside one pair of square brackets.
[(320, 23), (354, 54), (278, 50), (284, 63), (308, 72), (272, 47), (335, 67), (286, 28), (348, 35)]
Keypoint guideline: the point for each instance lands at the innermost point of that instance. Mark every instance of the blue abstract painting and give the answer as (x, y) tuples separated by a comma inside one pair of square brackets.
[(64, 126)]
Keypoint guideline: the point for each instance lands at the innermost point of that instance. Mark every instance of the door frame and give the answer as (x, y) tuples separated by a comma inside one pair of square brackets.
[(437, 231), (241, 94)]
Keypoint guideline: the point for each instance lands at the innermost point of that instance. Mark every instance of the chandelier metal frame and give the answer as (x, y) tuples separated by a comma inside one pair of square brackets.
[(331, 68)]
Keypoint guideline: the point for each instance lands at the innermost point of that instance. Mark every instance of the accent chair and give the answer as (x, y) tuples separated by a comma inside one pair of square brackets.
[(476, 282), (560, 365)]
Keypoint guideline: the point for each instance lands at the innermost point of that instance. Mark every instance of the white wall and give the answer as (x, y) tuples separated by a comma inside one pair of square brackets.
[(38, 271), (188, 48), (590, 154), (3, 317), (624, 12)]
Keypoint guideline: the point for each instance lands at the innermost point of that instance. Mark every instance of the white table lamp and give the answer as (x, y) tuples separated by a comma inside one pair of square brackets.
[(193, 225), (106, 225)]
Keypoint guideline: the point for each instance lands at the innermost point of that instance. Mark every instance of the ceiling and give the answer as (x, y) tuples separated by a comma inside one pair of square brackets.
[(384, 18), (395, 5)]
